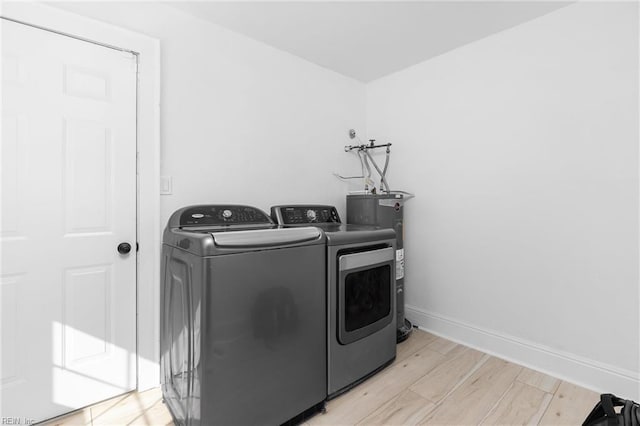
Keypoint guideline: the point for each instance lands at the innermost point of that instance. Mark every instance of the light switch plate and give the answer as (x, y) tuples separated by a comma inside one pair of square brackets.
[(166, 185)]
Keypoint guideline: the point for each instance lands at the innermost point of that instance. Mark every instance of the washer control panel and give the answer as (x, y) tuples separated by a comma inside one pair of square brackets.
[(217, 215), (304, 214)]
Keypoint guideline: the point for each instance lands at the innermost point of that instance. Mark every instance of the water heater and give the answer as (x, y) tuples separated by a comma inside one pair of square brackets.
[(385, 210)]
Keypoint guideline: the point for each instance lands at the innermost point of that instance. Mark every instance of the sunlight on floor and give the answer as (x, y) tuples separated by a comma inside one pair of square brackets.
[(134, 408)]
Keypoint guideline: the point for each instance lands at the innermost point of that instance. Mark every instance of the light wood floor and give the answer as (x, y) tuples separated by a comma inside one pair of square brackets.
[(433, 381)]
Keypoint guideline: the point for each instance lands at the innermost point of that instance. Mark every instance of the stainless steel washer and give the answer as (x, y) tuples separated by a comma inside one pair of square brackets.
[(243, 334), (361, 315)]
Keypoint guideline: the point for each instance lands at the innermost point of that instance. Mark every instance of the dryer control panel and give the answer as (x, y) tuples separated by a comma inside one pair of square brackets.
[(217, 215), (304, 214)]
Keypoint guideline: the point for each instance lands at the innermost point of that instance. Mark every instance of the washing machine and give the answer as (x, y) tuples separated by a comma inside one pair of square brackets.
[(243, 331), (361, 306)]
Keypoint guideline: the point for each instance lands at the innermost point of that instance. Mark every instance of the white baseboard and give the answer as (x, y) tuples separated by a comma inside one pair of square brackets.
[(594, 375)]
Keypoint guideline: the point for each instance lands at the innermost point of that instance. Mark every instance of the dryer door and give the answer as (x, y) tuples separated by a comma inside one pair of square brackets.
[(366, 290)]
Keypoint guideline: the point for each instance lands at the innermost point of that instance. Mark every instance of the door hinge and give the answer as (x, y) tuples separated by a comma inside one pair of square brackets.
[(137, 247)]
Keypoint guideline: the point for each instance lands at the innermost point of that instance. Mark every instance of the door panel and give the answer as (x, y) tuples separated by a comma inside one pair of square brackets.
[(68, 199), (11, 368), (86, 177), (80, 304), (13, 143)]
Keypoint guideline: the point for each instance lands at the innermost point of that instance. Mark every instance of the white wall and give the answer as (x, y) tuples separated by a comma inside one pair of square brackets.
[(242, 122), (522, 149)]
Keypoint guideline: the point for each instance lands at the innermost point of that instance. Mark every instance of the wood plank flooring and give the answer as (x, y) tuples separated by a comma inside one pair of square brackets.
[(432, 382)]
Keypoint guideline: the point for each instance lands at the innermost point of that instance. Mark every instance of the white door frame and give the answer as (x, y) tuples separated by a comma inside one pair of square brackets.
[(148, 141)]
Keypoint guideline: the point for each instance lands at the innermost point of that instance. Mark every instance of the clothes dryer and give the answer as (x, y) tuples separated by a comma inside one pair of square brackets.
[(360, 279)]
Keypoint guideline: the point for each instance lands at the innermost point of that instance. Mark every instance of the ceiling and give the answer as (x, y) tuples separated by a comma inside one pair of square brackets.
[(367, 40), (364, 40)]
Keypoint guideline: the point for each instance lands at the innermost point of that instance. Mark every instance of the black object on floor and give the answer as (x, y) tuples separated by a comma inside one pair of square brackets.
[(604, 413), (403, 331)]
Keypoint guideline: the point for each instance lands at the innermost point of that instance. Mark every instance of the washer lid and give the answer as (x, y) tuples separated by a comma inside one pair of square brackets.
[(265, 237)]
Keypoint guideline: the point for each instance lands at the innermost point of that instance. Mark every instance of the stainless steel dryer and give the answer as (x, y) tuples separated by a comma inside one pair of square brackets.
[(385, 210), (361, 316), (243, 335)]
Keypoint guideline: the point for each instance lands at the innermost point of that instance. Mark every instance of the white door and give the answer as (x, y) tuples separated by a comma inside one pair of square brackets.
[(68, 199)]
